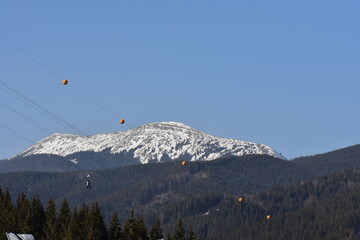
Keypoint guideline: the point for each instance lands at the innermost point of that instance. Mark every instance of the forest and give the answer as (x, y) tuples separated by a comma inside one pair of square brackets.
[(306, 198), (322, 208), (152, 187), (84, 223), (326, 207)]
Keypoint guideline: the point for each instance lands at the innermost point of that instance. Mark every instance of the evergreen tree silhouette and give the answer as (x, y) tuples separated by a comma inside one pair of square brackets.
[(95, 224), (180, 233), (64, 218), (156, 231), (115, 231), (51, 225)]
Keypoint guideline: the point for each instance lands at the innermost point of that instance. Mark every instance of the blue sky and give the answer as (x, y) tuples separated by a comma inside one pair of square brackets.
[(282, 73)]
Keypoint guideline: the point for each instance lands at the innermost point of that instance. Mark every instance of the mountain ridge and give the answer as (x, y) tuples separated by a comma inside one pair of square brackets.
[(151, 142)]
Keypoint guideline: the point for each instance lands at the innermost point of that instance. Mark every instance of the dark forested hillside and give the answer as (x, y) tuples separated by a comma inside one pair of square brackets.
[(330, 162), (55, 163), (204, 195), (327, 207), (152, 186), (39, 163), (324, 208)]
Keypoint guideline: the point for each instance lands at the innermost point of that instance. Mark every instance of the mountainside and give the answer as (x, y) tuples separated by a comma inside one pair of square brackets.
[(153, 186), (329, 162), (204, 194), (323, 208), (155, 142)]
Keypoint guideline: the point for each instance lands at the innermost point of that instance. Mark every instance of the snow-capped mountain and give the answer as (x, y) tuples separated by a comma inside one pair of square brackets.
[(154, 142)]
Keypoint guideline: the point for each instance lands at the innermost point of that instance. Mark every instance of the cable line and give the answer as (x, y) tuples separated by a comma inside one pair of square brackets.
[(57, 76), (5, 87), (16, 133), (30, 57), (18, 95), (91, 100), (23, 116), (32, 142), (45, 112), (41, 109)]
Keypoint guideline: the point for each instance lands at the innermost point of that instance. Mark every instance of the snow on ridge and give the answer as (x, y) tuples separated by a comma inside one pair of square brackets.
[(151, 142)]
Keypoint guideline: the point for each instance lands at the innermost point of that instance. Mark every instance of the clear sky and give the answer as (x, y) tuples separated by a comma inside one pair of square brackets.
[(282, 73)]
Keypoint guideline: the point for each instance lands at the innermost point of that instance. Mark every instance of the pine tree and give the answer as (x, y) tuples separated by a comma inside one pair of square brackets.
[(8, 213), (115, 231), (37, 218), (135, 229), (81, 220), (50, 225), (191, 234), (73, 231), (64, 218), (96, 225), (168, 237), (23, 213), (7, 203), (180, 233), (78, 226), (140, 229), (156, 231), (129, 225)]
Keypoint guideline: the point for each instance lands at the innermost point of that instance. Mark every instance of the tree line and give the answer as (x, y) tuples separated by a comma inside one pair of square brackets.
[(83, 223)]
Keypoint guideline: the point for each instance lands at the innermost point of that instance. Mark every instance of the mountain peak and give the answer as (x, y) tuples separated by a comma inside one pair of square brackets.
[(152, 142), (167, 125)]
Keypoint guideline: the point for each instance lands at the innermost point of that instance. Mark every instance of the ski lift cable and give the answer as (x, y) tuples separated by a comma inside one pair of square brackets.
[(91, 100), (5, 87), (38, 107), (31, 103), (59, 78), (32, 142), (30, 57), (43, 111), (56, 75), (48, 113), (16, 133), (73, 164), (26, 118), (59, 157)]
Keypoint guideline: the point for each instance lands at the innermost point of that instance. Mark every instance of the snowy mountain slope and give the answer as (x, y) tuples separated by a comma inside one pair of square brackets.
[(154, 142)]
